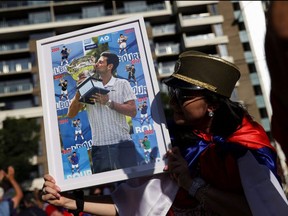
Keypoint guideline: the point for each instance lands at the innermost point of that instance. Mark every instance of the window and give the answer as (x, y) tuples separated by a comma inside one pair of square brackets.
[(164, 29), (246, 46), (257, 90), (39, 17), (223, 51), (236, 6), (241, 26), (135, 6), (263, 113), (213, 9), (252, 68), (167, 48), (166, 67), (95, 11), (218, 29)]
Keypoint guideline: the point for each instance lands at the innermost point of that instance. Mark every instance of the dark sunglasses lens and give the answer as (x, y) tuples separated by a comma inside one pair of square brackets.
[(175, 93)]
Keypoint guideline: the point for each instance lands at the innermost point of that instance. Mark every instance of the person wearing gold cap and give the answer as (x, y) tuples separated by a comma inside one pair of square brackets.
[(215, 143)]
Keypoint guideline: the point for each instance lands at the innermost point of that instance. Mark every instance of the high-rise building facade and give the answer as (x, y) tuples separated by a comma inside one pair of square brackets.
[(172, 26)]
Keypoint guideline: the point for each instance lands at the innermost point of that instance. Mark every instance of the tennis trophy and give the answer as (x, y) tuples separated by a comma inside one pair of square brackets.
[(84, 66)]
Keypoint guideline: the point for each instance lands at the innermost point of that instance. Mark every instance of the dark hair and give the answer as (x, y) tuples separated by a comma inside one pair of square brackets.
[(29, 198), (112, 58), (228, 115)]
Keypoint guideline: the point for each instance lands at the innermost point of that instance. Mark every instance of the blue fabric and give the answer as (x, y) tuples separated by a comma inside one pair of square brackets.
[(264, 156), (267, 157), (192, 153), (5, 207)]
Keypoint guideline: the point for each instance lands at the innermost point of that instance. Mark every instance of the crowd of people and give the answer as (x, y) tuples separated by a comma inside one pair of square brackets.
[(15, 201)]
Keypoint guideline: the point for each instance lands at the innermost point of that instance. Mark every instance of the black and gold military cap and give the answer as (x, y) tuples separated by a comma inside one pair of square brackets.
[(196, 70)]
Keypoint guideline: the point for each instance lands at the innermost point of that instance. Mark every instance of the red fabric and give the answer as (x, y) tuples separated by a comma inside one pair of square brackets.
[(222, 170), (51, 208), (251, 135)]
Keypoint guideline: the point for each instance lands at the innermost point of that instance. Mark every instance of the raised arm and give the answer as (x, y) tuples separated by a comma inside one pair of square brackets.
[(18, 191), (93, 205), (75, 106)]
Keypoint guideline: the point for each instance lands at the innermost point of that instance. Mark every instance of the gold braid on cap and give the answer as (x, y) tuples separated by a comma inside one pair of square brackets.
[(195, 82)]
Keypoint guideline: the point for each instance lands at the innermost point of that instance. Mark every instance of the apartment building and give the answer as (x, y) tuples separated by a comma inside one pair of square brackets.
[(172, 26)]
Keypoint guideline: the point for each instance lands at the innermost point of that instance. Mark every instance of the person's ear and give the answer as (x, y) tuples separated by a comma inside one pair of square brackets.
[(110, 66), (212, 108)]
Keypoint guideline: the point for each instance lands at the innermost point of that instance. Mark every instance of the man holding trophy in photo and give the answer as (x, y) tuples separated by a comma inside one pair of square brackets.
[(108, 101)]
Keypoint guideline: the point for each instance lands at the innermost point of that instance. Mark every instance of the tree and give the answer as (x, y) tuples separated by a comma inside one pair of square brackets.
[(19, 140)]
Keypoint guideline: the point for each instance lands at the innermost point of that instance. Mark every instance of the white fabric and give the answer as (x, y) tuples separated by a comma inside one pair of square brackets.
[(146, 196), (263, 192), (107, 125), (1, 192)]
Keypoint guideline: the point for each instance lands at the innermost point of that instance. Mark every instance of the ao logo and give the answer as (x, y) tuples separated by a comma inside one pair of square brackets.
[(105, 38)]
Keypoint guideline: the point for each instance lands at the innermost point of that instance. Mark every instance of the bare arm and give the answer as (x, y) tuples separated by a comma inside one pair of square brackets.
[(128, 108), (75, 106), (18, 191), (92, 205)]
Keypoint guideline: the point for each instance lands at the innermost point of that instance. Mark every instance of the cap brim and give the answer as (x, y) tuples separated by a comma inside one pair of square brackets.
[(177, 83)]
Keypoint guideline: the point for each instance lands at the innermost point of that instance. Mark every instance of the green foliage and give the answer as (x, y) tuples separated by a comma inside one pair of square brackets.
[(19, 140), (101, 48)]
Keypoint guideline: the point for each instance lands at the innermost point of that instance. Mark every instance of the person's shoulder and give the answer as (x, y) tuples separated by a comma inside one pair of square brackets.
[(122, 81)]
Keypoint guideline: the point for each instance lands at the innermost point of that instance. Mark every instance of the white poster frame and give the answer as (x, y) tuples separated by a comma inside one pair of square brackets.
[(47, 49)]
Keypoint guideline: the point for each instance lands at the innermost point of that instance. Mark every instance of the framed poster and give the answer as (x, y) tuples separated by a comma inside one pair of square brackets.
[(70, 140)]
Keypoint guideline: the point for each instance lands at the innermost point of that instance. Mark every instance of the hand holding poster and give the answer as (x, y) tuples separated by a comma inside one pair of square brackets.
[(102, 110)]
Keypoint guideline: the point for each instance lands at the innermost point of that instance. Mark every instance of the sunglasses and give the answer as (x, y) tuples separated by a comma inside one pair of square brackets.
[(184, 95)]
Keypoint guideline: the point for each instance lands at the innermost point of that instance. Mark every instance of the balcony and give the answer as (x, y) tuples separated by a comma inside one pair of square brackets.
[(199, 19), (163, 30), (78, 18), (8, 90), (32, 112), (204, 40), (65, 17), (13, 47), (167, 49), (15, 66), (183, 4), (16, 4), (166, 68)]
